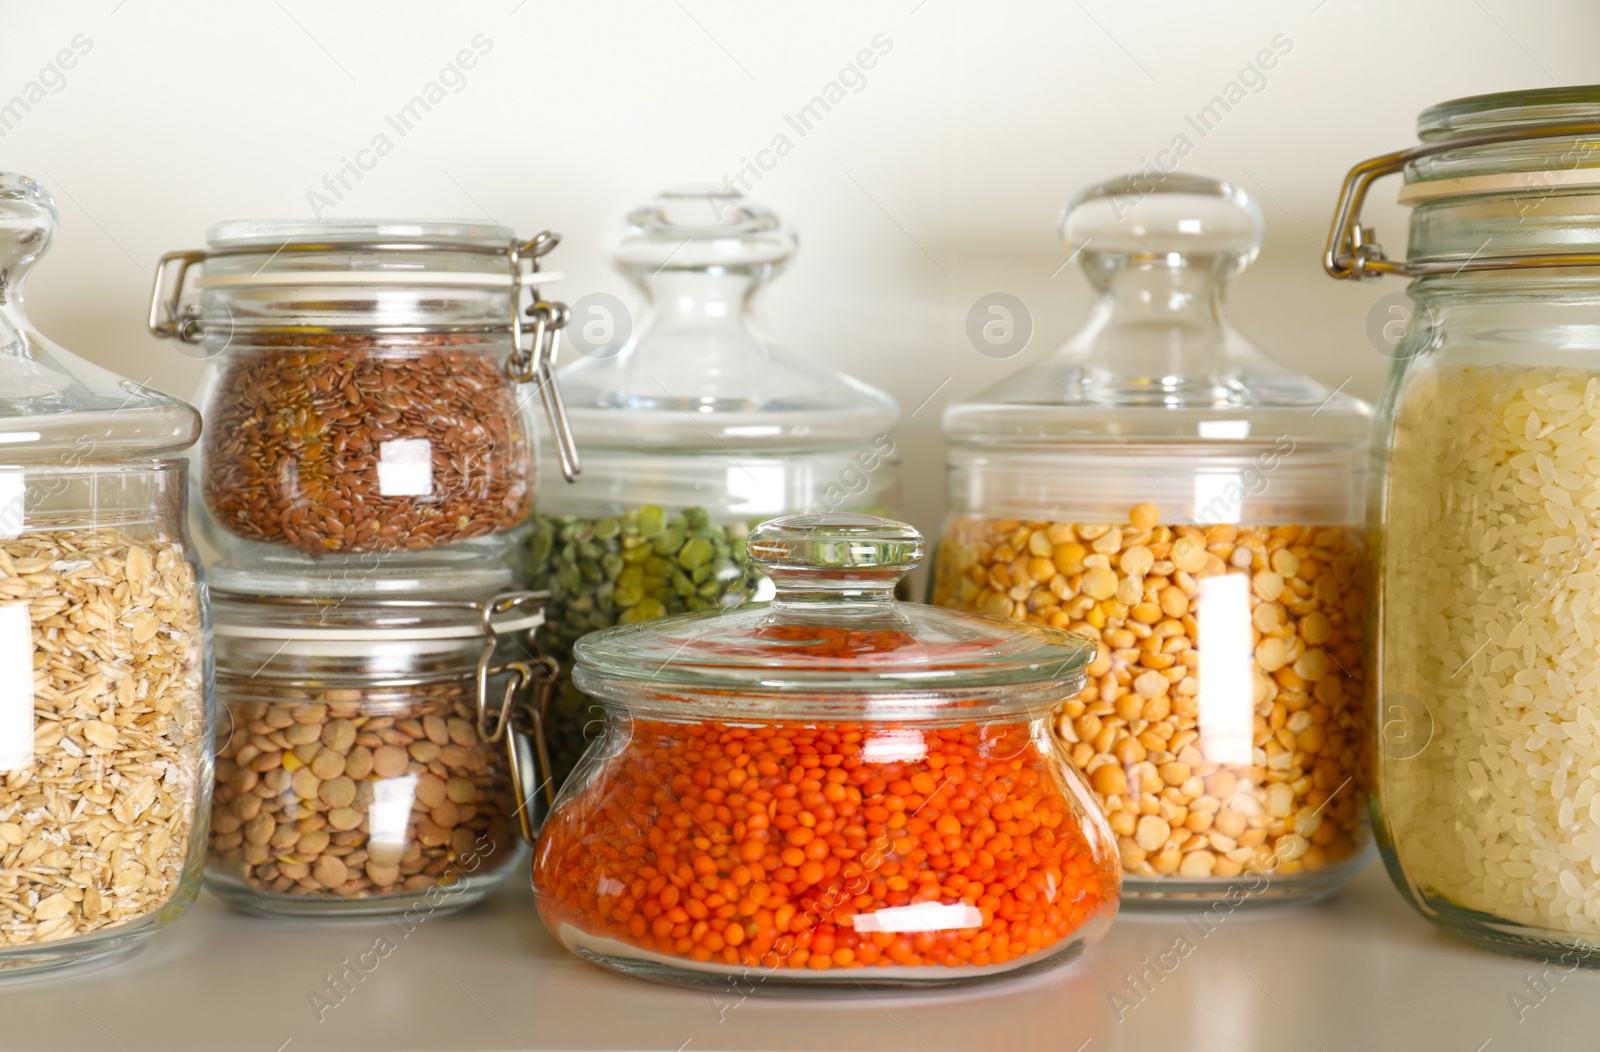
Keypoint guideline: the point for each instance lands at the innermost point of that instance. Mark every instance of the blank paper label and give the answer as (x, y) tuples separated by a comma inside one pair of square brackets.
[(12, 491), (16, 687), (405, 467)]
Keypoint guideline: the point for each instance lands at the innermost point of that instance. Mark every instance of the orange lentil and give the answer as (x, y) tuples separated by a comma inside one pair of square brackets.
[(762, 846)]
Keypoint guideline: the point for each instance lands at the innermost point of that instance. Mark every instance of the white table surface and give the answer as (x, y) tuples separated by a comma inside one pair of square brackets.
[(1360, 972)]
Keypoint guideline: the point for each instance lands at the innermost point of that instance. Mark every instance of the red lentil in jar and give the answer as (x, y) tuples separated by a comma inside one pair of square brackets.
[(830, 788)]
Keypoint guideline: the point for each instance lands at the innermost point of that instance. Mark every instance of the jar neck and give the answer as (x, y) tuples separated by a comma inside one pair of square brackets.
[(1158, 336), (705, 312)]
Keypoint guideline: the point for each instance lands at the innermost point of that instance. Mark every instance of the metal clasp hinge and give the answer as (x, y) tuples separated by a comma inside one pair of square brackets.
[(1352, 251), (535, 362), (523, 711), (166, 320)]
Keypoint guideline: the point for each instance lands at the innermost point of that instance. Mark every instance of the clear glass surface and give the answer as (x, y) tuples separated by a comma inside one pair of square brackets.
[(1163, 486), (834, 789), (105, 683)]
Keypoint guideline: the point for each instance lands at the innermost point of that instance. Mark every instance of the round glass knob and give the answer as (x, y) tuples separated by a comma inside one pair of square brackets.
[(819, 556)]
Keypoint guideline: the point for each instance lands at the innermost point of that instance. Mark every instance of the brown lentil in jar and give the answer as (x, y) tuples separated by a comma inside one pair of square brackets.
[(351, 795), (1136, 730), (357, 443)]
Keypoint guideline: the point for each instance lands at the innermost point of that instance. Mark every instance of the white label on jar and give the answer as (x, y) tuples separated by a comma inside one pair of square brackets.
[(894, 745), (13, 488), (1219, 496), (757, 489), (405, 467), (16, 687), (1227, 670), (923, 916), (390, 813)]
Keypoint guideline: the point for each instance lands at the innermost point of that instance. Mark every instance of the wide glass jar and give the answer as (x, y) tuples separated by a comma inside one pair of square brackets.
[(366, 410), (105, 687), (1160, 485), (1485, 514), (833, 789), (367, 760), (694, 428)]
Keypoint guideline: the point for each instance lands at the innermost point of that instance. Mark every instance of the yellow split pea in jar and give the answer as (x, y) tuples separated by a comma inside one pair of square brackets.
[(1161, 486)]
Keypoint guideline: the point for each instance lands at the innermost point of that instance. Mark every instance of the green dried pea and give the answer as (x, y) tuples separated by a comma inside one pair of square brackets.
[(643, 564)]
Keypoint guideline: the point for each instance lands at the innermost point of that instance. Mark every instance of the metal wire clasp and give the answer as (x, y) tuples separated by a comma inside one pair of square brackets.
[(166, 320), (535, 362), (1352, 251), (536, 678)]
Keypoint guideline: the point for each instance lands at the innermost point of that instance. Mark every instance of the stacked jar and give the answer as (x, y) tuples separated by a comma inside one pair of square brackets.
[(694, 428), (1160, 485), (105, 691), (366, 474)]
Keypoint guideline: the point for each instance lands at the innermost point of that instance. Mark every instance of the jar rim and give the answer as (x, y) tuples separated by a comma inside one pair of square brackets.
[(320, 620), (784, 699), (1473, 114), (272, 233)]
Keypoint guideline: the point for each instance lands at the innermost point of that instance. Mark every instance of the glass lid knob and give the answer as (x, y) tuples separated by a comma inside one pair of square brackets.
[(700, 228), (819, 557), (1176, 220), (27, 221)]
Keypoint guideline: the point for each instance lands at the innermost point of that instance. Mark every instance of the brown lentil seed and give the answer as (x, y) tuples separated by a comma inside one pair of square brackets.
[(296, 833)]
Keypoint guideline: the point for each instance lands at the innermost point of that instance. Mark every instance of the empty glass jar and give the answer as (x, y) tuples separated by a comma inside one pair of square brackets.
[(695, 428), (367, 427), (833, 789), (105, 692), (1163, 487)]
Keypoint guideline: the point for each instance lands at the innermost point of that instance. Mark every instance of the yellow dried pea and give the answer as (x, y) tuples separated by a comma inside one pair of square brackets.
[(1178, 799)]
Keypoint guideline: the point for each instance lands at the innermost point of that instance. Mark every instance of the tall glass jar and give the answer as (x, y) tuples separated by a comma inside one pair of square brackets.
[(830, 790), (1162, 486), (367, 758), (1486, 512), (367, 422), (105, 683), (693, 430)]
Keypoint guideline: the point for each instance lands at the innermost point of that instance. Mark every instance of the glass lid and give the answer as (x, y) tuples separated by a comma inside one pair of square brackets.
[(833, 626), (55, 407), (698, 371), (1157, 361)]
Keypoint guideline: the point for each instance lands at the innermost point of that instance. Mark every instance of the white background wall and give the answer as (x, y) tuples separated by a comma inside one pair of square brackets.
[(939, 182)]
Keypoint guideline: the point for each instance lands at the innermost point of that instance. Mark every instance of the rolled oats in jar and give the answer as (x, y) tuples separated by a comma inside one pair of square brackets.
[(1161, 486), (367, 397), (364, 754), (105, 699)]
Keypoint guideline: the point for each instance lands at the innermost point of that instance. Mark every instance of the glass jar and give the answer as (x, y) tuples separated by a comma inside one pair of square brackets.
[(363, 396), (830, 789), (694, 429), (366, 762), (105, 686), (1485, 518), (1163, 487)]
